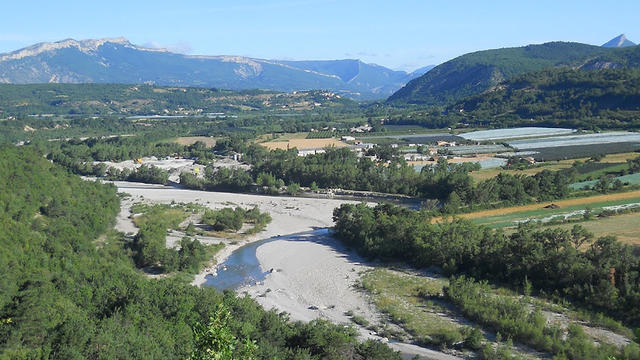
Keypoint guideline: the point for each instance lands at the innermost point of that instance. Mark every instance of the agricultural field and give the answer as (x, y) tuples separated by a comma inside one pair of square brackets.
[(477, 149), (581, 151), (613, 137), (512, 216), (425, 137), (593, 170), (301, 144), (514, 133), (624, 227), (282, 137), (609, 163), (190, 140), (631, 179), (404, 128), (620, 157), (489, 173), (325, 134)]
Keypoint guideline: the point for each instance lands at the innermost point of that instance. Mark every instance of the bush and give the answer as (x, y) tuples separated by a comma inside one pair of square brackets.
[(149, 244), (224, 219), (293, 189), (473, 338), (228, 219)]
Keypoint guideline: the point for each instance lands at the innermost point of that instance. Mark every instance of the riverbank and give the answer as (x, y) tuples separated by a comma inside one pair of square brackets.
[(290, 215), (313, 276), (309, 277)]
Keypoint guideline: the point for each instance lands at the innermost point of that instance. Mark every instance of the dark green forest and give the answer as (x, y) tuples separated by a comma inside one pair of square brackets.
[(69, 288), (474, 73), (554, 97)]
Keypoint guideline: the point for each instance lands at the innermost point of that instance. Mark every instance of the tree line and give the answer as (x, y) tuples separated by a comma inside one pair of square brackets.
[(342, 168), (271, 170)]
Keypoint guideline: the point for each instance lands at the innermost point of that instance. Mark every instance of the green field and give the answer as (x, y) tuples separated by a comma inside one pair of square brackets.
[(539, 212), (624, 227), (610, 164), (631, 179)]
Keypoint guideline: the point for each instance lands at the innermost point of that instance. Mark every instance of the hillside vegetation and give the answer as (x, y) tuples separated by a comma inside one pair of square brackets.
[(476, 72), (560, 97)]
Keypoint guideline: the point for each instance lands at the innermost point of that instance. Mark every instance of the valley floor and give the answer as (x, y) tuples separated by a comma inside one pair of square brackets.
[(309, 274), (313, 276)]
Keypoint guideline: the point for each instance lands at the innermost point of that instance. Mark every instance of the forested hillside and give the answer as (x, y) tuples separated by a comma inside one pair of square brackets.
[(622, 57), (476, 72), (559, 97), (67, 291)]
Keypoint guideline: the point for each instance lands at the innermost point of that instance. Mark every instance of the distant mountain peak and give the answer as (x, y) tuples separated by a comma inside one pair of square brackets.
[(618, 42), (86, 46)]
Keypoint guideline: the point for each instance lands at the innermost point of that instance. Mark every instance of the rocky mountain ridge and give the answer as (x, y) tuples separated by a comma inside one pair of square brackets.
[(116, 60)]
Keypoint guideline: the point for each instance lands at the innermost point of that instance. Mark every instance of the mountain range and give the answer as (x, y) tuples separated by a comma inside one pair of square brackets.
[(117, 60), (476, 72)]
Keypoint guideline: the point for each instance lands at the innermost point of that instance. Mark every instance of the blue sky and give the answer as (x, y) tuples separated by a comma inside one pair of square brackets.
[(401, 34)]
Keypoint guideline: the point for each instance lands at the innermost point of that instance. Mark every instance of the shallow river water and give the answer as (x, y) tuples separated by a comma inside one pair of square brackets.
[(242, 267)]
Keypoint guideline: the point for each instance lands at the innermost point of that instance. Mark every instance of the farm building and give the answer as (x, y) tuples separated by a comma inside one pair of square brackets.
[(306, 152), (417, 157)]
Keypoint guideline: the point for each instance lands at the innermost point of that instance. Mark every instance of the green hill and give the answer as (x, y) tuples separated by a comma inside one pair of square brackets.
[(476, 72), (608, 98)]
